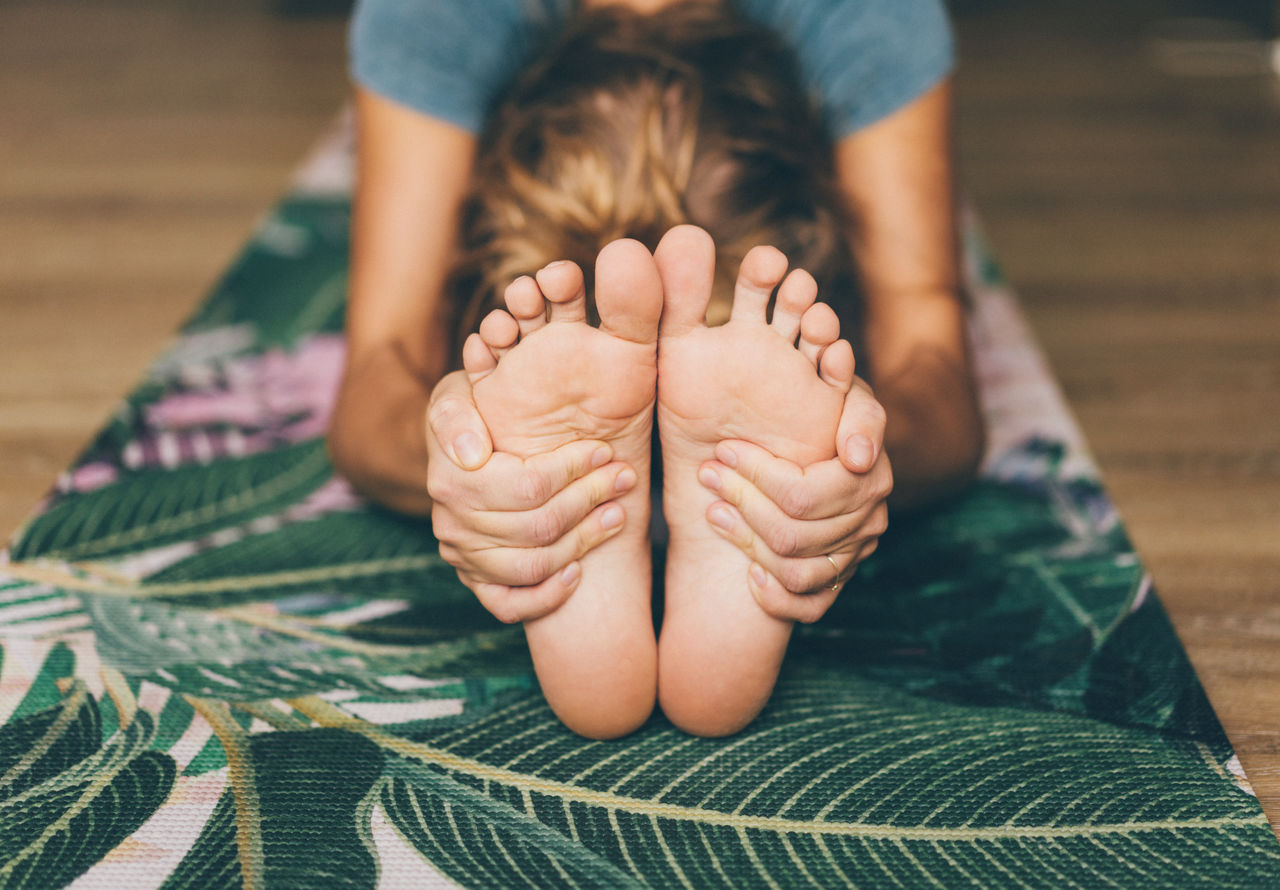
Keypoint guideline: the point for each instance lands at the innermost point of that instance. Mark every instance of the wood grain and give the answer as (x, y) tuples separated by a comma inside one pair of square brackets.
[(1137, 213)]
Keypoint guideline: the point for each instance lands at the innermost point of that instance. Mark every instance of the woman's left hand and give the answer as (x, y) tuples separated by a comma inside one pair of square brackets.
[(805, 528)]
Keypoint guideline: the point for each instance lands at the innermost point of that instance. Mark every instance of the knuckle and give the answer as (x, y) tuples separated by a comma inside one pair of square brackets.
[(531, 567), (878, 522), (545, 527), (440, 485), (531, 487), (445, 527), (783, 539), (884, 486), (504, 608), (451, 555), (795, 578), (876, 413), (796, 501), (441, 412)]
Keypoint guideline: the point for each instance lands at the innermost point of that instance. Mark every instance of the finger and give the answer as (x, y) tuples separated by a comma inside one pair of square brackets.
[(860, 435), (456, 424), (507, 482), (512, 604), (548, 523), (784, 605), (527, 566), (542, 476), (818, 491), (783, 534), (798, 574)]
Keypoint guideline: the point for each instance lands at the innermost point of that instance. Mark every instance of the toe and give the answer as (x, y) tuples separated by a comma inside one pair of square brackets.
[(499, 331), (686, 261), (628, 291), (762, 268), (562, 285), (797, 294), (525, 302), (835, 365), (819, 328), (477, 359)]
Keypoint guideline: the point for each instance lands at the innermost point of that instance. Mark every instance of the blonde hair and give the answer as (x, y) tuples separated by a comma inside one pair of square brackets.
[(636, 123)]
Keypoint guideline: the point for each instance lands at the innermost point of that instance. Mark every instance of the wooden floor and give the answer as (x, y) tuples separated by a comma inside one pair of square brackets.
[(1137, 213)]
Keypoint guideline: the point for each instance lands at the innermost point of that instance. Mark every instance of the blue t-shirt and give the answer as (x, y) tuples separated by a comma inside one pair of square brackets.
[(862, 59)]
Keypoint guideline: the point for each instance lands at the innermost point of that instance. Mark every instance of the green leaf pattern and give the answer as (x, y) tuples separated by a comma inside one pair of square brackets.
[(215, 674)]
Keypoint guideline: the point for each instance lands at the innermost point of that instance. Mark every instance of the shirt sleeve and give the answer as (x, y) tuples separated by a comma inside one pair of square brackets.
[(446, 58), (863, 59)]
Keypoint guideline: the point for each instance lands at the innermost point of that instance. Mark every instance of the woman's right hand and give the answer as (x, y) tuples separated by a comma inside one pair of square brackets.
[(514, 528)]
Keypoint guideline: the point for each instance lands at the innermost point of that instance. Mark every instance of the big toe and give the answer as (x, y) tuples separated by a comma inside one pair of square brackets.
[(628, 291), (686, 260)]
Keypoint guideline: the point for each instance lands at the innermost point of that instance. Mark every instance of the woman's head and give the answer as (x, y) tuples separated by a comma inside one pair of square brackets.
[(635, 123)]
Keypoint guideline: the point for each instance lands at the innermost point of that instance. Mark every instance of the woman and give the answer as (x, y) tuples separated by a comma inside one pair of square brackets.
[(551, 533)]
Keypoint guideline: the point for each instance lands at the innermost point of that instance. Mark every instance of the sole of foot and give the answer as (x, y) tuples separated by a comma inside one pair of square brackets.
[(777, 382), (543, 377)]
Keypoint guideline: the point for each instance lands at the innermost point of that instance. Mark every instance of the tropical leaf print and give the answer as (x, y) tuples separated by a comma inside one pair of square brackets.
[(291, 280), (152, 508), (368, 553), (295, 813), (1014, 594), (66, 800), (847, 784), (247, 656), (479, 841)]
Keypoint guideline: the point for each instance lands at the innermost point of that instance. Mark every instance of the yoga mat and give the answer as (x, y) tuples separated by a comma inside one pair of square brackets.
[(221, 668)]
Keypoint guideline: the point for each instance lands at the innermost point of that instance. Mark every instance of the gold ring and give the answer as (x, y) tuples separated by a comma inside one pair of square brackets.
[(835, 579)]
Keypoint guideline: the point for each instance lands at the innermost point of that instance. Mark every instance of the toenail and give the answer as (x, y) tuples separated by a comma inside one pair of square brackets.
[(726, 455), (722, 518), (556, 264), (611, 518), (709, 478), (861, 452), (625, 480)]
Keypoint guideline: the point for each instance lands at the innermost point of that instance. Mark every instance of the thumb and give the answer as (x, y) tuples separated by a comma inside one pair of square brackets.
[(861, 432), (456, 424)]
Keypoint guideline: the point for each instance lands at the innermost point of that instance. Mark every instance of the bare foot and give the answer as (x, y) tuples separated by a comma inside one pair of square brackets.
[(748, 379), (544, 377)]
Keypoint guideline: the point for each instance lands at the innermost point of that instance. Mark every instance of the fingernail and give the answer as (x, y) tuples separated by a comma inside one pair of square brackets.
[(757, 575), (600, 457), (625, 480), (710, 478), (722, 518), (571, 574), (611, 518), (860, 451), (726, 456), (468, 450)]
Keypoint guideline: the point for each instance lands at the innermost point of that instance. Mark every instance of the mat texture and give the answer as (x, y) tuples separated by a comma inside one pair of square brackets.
[(221, 668)]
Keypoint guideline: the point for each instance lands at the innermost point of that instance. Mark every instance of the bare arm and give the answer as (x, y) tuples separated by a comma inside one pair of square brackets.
[(403, 429), (411, 178), (898, 181)]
